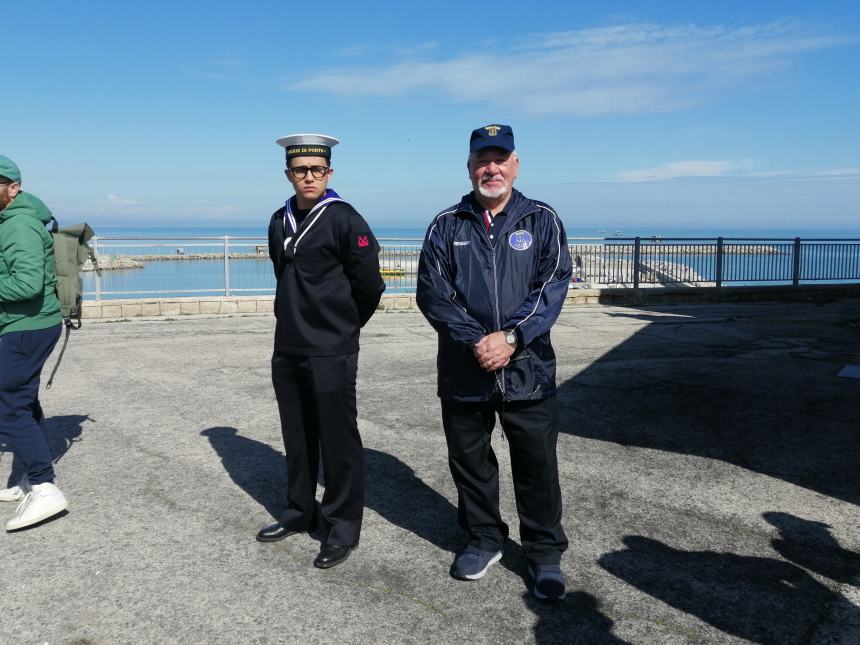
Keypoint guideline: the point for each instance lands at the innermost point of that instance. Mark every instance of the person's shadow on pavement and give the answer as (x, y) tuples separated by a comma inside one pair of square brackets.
[(255, 467), (61, 432), (810, 545), (391, 487), (763, 600), (575, 620), (394, 491)]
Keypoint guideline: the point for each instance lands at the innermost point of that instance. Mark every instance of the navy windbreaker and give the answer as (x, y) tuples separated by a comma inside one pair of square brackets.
[(468, 288)]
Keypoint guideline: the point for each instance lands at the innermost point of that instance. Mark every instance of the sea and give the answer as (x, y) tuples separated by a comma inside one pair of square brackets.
[(254, 275)]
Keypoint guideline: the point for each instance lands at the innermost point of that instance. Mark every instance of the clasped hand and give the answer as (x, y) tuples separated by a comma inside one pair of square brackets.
[(493, 352)]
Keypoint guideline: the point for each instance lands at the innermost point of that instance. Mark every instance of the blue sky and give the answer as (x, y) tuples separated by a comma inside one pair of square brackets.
[(625, 113)]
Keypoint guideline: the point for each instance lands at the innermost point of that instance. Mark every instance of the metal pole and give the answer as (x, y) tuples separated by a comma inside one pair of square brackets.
[(637, 247), (226, 265), (98, 279), (719, 276), (795, 266)]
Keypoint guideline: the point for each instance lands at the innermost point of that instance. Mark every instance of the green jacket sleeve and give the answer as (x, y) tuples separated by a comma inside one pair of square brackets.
[(24, 254)]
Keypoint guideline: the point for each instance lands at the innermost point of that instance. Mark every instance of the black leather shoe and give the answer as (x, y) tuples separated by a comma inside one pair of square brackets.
[(274, 533), (332, 555)]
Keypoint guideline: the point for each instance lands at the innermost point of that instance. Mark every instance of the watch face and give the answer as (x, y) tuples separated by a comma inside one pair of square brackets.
[(511, 338)]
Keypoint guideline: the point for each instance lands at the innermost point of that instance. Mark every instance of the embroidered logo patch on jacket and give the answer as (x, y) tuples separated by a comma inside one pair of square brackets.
[(520, 240)]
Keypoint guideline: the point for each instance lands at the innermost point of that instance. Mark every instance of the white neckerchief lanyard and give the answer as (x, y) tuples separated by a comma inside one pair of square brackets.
[(289, 218), (328, 197)]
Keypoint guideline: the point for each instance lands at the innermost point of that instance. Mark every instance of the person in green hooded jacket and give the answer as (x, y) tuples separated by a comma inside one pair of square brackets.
[(30, 325)]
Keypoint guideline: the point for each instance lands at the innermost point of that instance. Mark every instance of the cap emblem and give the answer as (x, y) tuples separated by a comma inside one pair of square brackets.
[(493, 130)]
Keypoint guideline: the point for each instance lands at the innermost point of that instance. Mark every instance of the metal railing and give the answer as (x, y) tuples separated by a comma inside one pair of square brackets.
[(636, 262), (154, 267)]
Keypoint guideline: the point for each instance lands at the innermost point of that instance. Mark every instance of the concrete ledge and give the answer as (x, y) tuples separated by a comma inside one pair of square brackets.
[(155, 307), (214, 305)]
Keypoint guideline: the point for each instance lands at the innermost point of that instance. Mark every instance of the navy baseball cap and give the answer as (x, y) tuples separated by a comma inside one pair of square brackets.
[(492, 136)]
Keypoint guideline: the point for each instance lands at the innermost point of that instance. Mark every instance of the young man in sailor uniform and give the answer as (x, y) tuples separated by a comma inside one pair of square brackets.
[(326, 262)]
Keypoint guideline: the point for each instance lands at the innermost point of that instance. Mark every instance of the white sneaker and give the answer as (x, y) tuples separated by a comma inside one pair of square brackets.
[(43, 501), (13, 494)]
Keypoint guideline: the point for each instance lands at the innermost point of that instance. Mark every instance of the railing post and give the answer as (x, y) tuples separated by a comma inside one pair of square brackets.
[(98, 279), (637, 249), (226, 265), (795, 265), (719, 276)]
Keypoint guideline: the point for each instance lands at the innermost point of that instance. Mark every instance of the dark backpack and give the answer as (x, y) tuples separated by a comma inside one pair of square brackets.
[(71, 251)]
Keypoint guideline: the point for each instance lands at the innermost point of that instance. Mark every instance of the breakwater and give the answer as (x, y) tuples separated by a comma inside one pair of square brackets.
[(405, 260), (116, 262)]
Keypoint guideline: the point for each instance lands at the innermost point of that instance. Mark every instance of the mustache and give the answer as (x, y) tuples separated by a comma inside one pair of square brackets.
[(496, 177)]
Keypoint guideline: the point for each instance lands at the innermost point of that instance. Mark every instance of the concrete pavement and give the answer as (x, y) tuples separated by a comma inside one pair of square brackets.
[(708, 460)]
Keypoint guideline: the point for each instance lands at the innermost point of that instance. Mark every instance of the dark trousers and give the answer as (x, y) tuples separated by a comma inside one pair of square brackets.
[(22, 356), (531, 428), (316, 402)]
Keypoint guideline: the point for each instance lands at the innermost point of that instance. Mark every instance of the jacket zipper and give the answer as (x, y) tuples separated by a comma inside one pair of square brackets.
[(499, 380)]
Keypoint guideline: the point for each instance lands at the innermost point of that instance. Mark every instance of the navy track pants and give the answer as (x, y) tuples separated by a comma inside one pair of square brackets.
[(531, 428), (22, 356)]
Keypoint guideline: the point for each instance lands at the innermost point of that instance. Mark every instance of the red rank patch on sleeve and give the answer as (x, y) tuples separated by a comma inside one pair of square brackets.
[(361, 242)]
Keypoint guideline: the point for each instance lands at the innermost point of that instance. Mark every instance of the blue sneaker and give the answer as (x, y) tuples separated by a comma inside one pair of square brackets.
[(473, 563), (549, 582)]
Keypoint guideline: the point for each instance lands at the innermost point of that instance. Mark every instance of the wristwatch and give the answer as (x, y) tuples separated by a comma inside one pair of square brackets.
[(511, 338)]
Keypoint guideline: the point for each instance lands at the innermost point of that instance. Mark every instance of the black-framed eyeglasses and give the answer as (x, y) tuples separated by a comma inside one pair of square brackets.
[(300, 172)]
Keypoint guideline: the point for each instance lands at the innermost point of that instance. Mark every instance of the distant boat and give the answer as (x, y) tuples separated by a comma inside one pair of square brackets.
[(619, 233), (602, 230)]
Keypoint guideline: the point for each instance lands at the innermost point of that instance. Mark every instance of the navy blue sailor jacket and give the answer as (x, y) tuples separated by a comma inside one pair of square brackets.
[(468, 287), (328, 280)]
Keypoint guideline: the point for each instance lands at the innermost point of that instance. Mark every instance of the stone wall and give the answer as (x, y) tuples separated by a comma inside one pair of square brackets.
[(211, 305)]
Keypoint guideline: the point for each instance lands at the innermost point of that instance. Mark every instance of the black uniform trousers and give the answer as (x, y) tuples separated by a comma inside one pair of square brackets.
[(531, 428), (316, 402)]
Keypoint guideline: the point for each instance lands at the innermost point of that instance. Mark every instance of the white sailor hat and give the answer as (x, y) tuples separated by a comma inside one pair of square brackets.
[(308, 145)]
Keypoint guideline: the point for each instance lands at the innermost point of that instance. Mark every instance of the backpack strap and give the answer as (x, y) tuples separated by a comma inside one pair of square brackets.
[(60, 357)]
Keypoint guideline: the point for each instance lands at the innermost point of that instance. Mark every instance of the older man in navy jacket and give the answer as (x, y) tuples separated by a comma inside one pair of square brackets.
[(492, 279)]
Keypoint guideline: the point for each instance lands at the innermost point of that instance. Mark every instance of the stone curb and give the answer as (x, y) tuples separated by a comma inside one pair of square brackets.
[(213, 305)]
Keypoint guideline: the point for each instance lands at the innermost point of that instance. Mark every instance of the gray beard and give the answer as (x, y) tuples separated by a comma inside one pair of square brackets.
[(492, 194)]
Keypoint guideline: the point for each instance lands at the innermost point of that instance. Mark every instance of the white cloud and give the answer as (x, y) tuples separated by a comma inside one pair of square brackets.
[(388, 50), (723, 168), (677, 169), (116, 210), (837, 173), (815, 175), (115, 200), (627, 68)]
